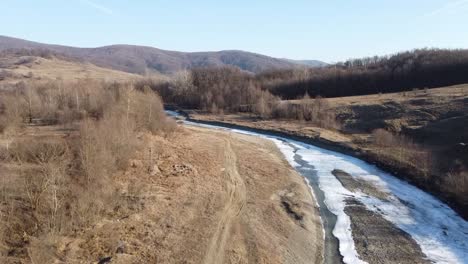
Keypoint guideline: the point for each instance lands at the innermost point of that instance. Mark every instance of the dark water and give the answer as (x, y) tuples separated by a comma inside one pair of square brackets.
[(331, 250)]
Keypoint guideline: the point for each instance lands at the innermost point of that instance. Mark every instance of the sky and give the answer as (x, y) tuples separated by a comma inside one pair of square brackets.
[(327, 30)]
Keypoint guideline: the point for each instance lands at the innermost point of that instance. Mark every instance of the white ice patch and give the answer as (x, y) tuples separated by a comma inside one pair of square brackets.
[(172, 113), (440, 232), (335, 195), (288, 151)]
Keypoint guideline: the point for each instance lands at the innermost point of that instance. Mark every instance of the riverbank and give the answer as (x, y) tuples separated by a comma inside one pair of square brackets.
[(357, 145), (415, 223)]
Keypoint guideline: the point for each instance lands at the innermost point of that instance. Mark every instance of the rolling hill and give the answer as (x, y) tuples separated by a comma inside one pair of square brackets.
[(142, 60), (309, 63)]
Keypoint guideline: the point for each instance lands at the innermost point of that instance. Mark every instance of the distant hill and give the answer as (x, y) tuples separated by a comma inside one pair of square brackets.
[(309, 63), (141, 60), (24, 65)]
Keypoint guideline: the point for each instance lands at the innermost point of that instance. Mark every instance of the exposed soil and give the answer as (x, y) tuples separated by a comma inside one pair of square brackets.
[(378, 240), (255, 226), (354, 184), (235, 188)]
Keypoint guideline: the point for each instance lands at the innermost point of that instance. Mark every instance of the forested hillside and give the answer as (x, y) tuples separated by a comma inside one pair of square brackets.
[(418, 69)]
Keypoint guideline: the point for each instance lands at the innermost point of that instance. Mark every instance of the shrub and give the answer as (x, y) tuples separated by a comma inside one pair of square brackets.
[(383, 138), (456, 183), (3, 124), (37, 151)]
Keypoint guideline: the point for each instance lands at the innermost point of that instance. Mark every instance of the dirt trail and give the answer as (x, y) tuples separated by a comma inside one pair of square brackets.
[(236, 200)]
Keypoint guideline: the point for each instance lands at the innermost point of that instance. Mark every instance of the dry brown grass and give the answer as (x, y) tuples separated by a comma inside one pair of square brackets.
[(52, 69), (457, 184), (404, 151), (11, 113), (445, 93), (424, 164)]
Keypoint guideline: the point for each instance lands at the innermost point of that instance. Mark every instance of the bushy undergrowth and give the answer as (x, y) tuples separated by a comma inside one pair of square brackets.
[(426, 165), (63, 184)]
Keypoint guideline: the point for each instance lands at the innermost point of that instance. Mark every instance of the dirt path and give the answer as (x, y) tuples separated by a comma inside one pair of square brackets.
[(237, 197)]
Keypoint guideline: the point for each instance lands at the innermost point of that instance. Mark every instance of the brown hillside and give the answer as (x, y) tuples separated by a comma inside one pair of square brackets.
[(141, 60)]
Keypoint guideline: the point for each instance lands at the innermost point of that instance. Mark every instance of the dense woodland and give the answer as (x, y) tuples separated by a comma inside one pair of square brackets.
[(229, 90), (418, 69)]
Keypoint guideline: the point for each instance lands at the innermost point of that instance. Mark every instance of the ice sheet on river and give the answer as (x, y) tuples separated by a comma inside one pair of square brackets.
[(441, 233)]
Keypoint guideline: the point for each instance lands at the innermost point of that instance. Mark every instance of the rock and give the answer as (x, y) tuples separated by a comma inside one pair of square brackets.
[(155, 170), (120, 248), (105, 260), (125, 259), (135, 163), (182, 168)]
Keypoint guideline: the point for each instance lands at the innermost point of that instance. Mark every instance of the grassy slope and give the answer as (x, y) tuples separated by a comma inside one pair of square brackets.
[(37, 68)]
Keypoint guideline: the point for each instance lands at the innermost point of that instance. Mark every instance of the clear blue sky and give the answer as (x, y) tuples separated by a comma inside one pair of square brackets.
[(329, 30)]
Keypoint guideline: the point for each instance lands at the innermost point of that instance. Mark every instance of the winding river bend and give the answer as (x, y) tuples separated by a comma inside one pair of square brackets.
[(440, 233)]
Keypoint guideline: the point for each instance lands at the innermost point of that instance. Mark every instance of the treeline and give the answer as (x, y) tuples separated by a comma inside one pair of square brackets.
[(418, 69), (229, 90), (212, 89)]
